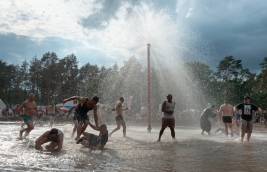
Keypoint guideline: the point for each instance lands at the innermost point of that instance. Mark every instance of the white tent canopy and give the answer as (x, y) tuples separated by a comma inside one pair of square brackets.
[(2, 106)]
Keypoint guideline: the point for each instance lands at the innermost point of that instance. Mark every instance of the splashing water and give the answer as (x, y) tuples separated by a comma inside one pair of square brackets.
[(138, 151)]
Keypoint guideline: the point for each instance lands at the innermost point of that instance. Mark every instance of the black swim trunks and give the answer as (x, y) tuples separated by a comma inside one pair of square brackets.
[(227, 119), (80, 116), (94, 140), (118, 117)]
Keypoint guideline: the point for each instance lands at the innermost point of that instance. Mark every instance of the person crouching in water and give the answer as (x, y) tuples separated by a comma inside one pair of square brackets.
[(204, 119), (92, 141), (54, 136)]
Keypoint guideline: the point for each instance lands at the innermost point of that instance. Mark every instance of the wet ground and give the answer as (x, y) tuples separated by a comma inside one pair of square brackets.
[(139, 151)]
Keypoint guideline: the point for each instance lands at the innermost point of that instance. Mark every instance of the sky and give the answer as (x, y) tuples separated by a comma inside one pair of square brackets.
[(105, 32)]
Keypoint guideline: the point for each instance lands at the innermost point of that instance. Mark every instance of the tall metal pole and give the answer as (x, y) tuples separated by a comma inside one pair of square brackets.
[(148, 89)]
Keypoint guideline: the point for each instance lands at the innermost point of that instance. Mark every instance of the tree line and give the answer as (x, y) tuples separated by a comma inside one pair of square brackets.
[(193, 84)]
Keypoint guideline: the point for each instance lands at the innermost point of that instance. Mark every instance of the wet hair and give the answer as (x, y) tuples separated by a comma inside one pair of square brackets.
[(169, 95), (121, 98), (95, 98), (53, 131), (246, 97), (103, 125), (212, 106), (31, 94)]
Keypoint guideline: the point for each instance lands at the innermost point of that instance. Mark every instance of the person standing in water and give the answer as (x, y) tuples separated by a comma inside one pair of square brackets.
[(204, 119), (54, 136), (84, 105), (75, 121), (30, 108), (168, 119), (119, 119), (246, 116), (52, 109), (225, 112)]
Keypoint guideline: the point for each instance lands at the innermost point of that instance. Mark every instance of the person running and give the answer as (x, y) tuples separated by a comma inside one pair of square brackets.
[(225, 112), (119, 119), (54, 136), (204, 119), (30, 108), (246, 116), (75, 121), (168, 119), (52, 109), (95, 142), (84, 105)]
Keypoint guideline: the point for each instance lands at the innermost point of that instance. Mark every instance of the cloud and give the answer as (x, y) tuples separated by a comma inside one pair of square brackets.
[(15, 49), (235, 28), (111, 31), (189, 12)]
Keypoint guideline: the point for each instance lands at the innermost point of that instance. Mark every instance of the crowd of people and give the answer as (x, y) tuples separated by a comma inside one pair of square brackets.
[(228, 119)]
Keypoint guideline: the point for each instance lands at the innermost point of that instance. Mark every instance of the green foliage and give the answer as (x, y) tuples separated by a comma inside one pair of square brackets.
[(193, 84)]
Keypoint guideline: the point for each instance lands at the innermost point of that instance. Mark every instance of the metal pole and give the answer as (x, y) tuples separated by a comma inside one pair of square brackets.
[(148, 89)]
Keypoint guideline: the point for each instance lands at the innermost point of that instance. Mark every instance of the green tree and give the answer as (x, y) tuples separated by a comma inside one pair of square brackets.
[(228, 70)]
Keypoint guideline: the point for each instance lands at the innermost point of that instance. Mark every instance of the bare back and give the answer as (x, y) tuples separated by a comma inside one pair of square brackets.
[(30, 108), (226, 109), (52, 109), (119, 108)]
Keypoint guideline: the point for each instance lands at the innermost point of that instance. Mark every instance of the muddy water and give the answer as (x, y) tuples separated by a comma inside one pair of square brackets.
[(137, 152)]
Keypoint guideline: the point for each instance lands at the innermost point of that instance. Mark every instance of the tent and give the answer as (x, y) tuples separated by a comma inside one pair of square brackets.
[(2, 106)]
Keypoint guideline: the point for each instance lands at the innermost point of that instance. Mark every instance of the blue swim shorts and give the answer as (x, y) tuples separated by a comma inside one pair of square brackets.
[(26, 118)]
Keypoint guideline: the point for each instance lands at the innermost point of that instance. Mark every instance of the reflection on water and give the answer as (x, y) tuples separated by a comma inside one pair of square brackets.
[(137, 152)]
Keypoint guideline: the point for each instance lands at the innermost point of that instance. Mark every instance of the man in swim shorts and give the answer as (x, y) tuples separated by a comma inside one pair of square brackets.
[(52, 109), (225, 112), (168, 119), (95, 142), (30, 108), (246, 116), (84, 105), (119, 119), (54, 136)]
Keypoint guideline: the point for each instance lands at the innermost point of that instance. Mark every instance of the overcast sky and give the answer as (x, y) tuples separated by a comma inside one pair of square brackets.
[(110, 31)]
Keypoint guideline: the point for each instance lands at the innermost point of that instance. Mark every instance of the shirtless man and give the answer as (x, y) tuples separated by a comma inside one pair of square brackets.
[(119, 119), (225, 112), (84, 105), (30, 109), (54, 136), (52, 109), (92, 141)]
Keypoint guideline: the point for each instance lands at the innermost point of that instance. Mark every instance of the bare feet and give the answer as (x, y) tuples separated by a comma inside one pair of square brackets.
[(158, 140)]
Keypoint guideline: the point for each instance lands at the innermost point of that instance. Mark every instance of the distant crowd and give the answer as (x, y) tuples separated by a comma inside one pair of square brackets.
[(185, 117)]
